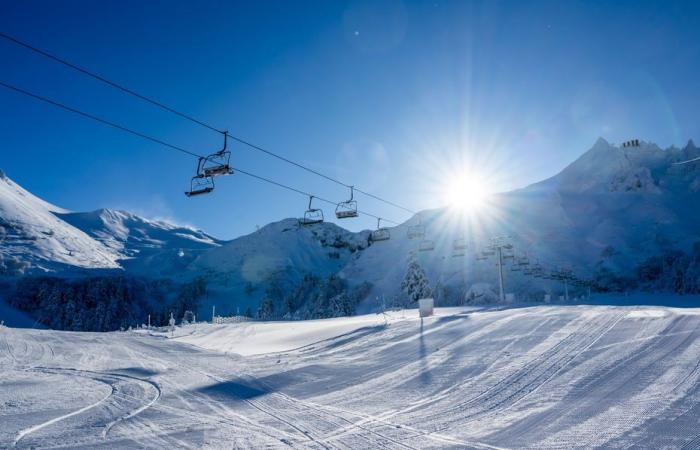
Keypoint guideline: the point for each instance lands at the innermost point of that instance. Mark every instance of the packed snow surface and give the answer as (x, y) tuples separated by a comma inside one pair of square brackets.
[(538, 377)]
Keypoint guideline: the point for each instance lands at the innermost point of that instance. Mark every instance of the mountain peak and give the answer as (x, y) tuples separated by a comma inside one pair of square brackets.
[(601, 143), (690, 145)]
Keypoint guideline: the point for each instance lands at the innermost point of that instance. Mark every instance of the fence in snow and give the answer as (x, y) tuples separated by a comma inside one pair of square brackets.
[(230, 319)]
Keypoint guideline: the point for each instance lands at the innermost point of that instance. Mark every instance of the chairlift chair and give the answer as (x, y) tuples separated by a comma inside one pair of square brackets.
[(416, 231), (460, 244), (200, 185), (380, 234), (481, 257), (312, 215), (515, 268), (459, 247), (426, 245), (348, 209), (523, 261), (217, 163)]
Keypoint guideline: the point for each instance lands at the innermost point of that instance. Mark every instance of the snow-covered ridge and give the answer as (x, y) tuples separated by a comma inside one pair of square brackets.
[(39, 236), (33, 234)]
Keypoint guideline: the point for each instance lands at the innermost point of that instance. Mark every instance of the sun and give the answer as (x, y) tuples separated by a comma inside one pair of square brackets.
[(466, 192)]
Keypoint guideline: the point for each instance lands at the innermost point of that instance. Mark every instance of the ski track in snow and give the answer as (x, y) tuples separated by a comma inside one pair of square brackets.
[(541, 377)]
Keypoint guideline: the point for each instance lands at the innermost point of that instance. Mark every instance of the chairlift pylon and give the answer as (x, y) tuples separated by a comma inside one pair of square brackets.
[(216, 164), (380, 234), (200, 185), (312, 215), (348, 209)]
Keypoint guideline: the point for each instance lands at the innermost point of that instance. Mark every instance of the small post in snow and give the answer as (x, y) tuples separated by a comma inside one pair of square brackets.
[(149, 321), (213, 313)]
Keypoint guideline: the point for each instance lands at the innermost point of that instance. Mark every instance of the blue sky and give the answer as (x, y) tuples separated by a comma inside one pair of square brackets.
[(393, 97)]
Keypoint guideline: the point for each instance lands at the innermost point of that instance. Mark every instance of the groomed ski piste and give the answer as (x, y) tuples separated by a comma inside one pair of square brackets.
[(546, 377)]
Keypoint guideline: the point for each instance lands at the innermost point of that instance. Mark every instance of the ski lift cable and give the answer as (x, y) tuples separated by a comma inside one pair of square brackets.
[(166, 144), (98, 119), (686, 162), (299, 191), (190, 118)]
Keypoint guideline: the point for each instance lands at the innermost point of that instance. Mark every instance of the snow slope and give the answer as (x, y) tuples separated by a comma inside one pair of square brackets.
[(548, 377)]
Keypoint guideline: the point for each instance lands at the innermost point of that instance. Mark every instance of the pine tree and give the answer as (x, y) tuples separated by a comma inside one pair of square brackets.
[(265, 310), (415, 283)]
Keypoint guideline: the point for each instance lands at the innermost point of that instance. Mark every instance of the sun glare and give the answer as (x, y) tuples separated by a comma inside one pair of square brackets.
[(466, 193)]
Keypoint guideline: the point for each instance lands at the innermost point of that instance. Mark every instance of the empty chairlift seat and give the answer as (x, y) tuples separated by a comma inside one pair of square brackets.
[(380, 234), (426, 245), (416, 231), (348, 209), (200, 185), (459, 247), (216, 164), (311, 215)]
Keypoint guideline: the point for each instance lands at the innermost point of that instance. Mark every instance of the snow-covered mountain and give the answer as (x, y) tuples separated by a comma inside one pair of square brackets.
[(612, 208), (34, 237), (40, 237)]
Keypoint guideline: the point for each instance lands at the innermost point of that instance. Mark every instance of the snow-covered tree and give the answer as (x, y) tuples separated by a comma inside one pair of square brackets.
[(265, 310), (415, 283)]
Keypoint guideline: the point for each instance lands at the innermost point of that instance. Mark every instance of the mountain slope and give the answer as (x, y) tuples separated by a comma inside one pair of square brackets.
[(33, 235), (279, 254), (37, 236)]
